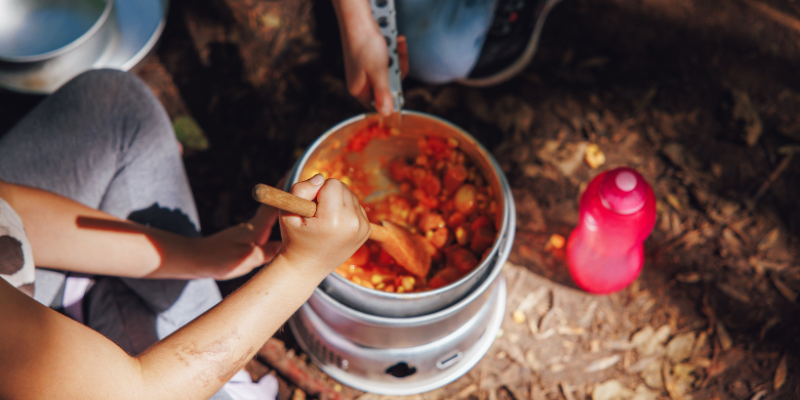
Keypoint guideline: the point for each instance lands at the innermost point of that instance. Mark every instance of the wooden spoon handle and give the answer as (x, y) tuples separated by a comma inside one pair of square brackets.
[(288, 202), (284, 201)]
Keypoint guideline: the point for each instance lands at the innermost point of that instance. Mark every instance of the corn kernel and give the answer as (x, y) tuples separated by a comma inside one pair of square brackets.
[(376, 279), (400, 289), (380, 286), (518, 316), (389, 288), (346, 180), (429, 235), (367, 284), (452, 142), (408, 283), (356, 280), (461, 236), (594, 156)]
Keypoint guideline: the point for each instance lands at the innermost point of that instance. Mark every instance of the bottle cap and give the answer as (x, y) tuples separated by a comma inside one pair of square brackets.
[(623, 190)]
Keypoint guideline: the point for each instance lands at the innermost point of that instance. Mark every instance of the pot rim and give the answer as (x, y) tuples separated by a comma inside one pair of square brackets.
[(101, 20), (508, 208)]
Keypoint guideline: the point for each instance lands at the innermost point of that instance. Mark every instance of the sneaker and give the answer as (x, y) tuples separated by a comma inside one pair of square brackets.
[(511, 41)]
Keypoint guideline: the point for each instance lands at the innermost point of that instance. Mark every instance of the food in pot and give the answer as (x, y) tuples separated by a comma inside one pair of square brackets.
[(442, 196)]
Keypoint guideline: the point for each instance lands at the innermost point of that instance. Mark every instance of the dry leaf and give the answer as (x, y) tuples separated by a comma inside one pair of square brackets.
[(692, 238), (603, 363), (567, 391), (566, 330), (780, 374), (652, 376), (594, 156), (532, 361), (733, 292), (785, 291), (728, 359), (688, 277), (533, 299), (674, 202), (611, 390), (643, 393), (724, 338), (744, 111), (674, 390), (680, 347), (769, 240)]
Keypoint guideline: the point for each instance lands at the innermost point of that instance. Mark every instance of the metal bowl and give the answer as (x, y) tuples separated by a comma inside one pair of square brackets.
[(38, 30), (128, 34), (414, 125)]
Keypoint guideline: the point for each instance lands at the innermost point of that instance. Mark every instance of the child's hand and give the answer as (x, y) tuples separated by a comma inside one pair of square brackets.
[(366, 57), (316, 246), (235, 251)]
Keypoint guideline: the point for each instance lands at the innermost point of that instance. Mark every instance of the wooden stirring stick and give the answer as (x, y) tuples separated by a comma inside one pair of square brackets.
[(411, 251)]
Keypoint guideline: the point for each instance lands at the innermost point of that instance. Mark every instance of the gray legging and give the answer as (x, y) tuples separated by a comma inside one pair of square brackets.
[(104, 140)]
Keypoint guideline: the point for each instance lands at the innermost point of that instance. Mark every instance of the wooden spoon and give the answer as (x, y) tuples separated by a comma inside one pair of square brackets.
[(411, 251)]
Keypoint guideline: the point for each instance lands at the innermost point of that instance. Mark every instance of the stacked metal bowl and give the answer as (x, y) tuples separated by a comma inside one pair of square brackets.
[(44, 43)]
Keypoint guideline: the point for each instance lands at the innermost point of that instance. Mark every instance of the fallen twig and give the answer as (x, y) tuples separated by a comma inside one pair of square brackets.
[(274, 354), (751, 203)]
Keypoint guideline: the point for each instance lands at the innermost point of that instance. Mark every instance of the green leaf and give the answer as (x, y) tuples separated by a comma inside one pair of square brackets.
[(189, 133)]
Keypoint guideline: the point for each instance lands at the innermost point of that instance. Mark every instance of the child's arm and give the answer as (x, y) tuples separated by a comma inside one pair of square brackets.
[(366, 57), (67, 235), (46, 355)]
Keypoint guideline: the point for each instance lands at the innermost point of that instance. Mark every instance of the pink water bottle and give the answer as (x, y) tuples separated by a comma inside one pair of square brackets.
[(605, 252)]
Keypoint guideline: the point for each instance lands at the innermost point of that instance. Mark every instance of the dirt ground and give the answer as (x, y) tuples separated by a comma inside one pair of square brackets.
[(701, 96)]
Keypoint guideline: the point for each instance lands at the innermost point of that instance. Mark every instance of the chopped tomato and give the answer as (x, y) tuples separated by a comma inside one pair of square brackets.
[(431, 221), (431, 185), (482, 239), (479, 223), (454, 177), (440, 237), (463, 260)]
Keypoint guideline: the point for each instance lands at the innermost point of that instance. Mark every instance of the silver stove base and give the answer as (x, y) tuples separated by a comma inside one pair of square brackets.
[(400, 371)]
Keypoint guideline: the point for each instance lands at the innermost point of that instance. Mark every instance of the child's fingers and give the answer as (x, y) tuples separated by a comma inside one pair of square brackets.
[(330, 198), (263, 221), (308, 189)]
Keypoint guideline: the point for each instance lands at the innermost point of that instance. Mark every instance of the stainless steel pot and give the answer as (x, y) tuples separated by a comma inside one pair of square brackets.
[(414, 125), (385, 332), (44, 43)]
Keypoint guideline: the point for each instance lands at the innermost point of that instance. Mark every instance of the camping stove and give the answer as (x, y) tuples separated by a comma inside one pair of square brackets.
[(402, 371)]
